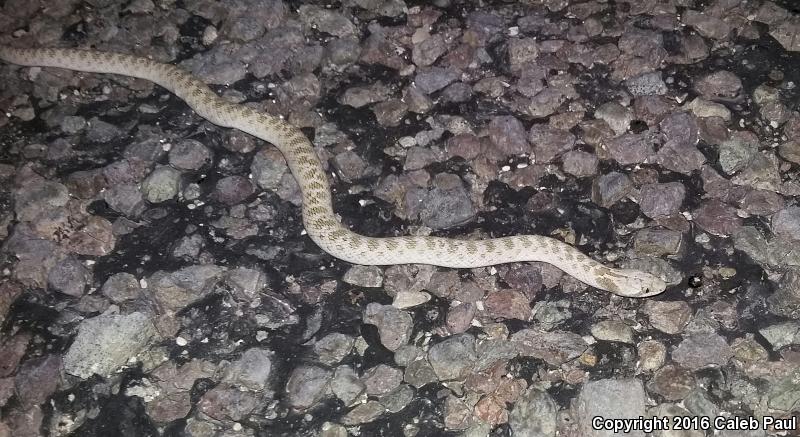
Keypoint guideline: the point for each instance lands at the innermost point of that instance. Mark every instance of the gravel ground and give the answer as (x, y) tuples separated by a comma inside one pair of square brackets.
[(156, 279)]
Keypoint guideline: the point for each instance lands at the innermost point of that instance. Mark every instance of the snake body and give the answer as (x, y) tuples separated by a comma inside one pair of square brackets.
[(319, 219)]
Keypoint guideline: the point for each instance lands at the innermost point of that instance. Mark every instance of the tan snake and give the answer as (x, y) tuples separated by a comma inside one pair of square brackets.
[(319, 219)]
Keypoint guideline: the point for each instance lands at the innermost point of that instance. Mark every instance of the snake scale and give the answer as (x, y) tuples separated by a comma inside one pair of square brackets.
[(319, 218)]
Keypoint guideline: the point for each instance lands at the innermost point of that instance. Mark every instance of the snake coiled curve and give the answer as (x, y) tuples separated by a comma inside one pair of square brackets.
[(318, 217)]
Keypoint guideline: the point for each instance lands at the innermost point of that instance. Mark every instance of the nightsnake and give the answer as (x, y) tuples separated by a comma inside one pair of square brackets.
[(319, 219)]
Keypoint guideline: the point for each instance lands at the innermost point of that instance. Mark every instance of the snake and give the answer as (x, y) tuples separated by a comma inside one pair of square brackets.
[(319, 219)]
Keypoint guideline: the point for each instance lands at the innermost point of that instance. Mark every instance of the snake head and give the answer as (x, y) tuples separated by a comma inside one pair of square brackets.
[(636, 283)]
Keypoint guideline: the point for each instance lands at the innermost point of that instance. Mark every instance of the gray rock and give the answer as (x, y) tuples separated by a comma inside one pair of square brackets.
[(130, 170), (782, 334), (332, 348), (359, 96), (381, 379), (275, 312), (749, 240), (349, 165), (416, 100), (707, 25), (35, 256), (326, 20), (341, 53), (786, 34), (23, 422), (380, 49), (762, 202), (704, 109), (427, 51), (14, 347), (126, 199), (102, 132), (786, 223), (174, 291), (386, 8), (407, 278), (390, 113), (396, 400), (534, 414), (228, 403), (161, 185), (363, 413), (681, 127), (719, 84), (447, 204), (612, 330), (551, 314), (37, 379), (641, 43), (652, 355), (37, 196), (189, 246), (248, 19), (609, 188), (268, 168), (508, 136), (629, 148), (69, 276), (231, 190), (457, 92), (702, 350), (699, 403), (189, 154), (307, 385), (556, 347), (615, 115), (679, 157), (86, 184), (220, 65), (252, 370), (454, 357), (718, 218), (72, 124), (507, 304), (762, 173), (661, 200), (406, 354), (459, 318), (522, 52), (418, 158), (121, 287), (784, 394), (580, 164), (364, 276), (790, 151), (647, 84), (737, 151), (394, 326), (548, 142), (669, 317), (612, 398), (419, 373), (657, 242), (346, 385), (432, 79), (672, 382), (786, 300), (106, 343), (246, 28)]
